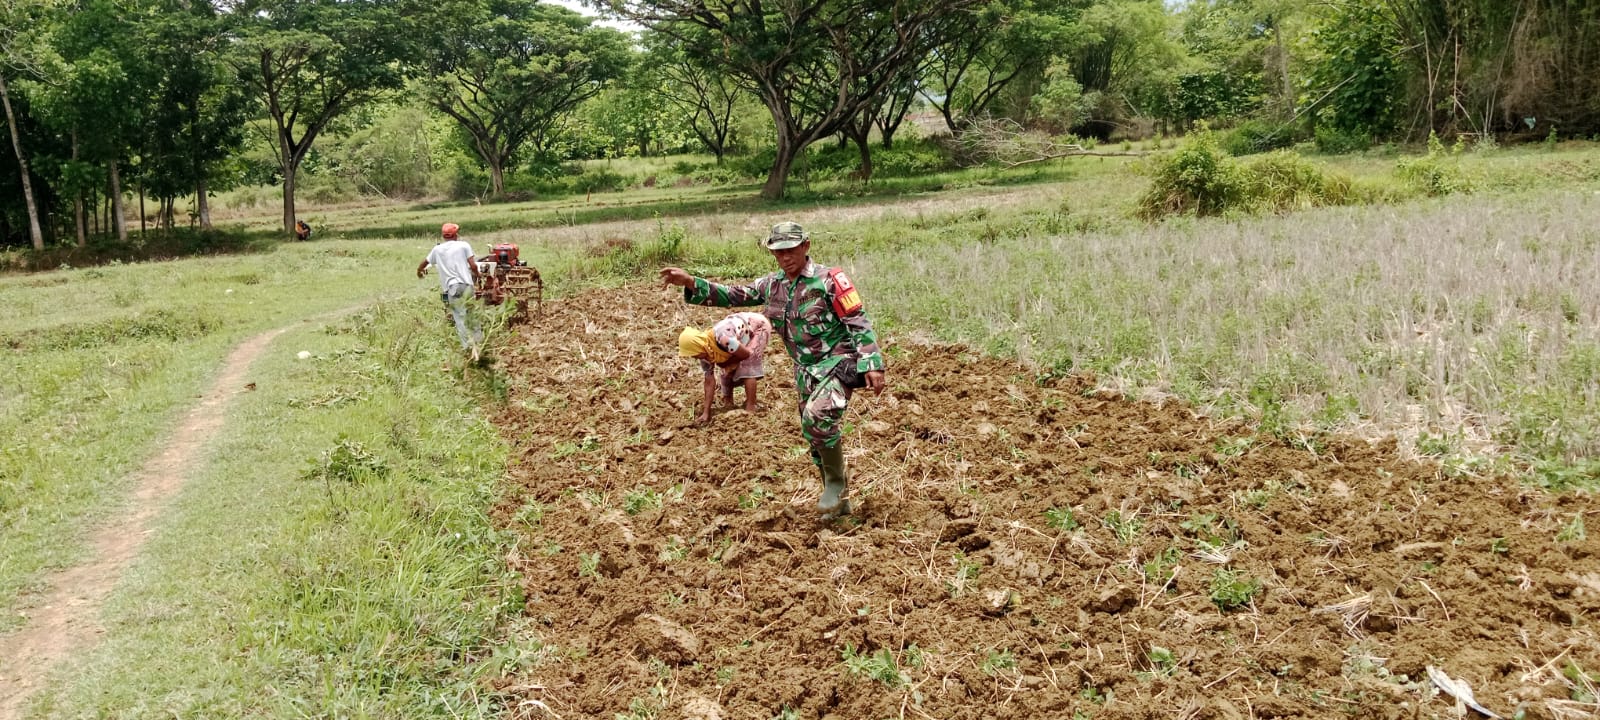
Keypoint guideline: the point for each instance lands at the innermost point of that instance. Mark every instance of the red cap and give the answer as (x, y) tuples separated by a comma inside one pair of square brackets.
[(449, 230)]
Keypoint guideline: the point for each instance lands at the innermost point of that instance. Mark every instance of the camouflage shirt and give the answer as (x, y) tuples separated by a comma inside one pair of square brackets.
[(819, 316)]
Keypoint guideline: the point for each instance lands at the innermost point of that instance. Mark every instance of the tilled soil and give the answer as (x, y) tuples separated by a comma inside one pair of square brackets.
[(1024, 546)]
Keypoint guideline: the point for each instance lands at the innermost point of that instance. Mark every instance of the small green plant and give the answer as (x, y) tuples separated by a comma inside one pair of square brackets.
[(754, 498), (566, 448), (1260, 497), (1573, 531), (1125, 528), (996, 661), (1435, 446), (347, 461), (639, 500), (1160, 569), (1232, 447), (787, 713), (593, 497), (1162, 661), (967, 571), (879, 666), (531, 514), (1230, 591), (673, 551), (1583, 684), (1499, 546), (589, 564), (1061, 518)]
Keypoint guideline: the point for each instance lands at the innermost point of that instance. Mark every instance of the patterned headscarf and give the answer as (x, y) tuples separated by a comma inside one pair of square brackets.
[(696, 343)]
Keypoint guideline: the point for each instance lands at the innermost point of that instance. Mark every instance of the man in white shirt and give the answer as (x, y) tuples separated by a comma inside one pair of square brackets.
[(458, 275)]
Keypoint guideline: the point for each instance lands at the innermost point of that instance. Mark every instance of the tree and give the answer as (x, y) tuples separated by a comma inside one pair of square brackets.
[(22, 54), (513, 69), (815, 64), (309, 62), (101, 100), (1007, 41), (696, 87), (197, 114)]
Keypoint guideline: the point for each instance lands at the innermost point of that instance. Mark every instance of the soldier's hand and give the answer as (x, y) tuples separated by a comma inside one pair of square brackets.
[(676, 276), (875, 381)]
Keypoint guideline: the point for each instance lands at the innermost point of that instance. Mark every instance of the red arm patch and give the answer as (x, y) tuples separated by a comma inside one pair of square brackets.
[(846, 299)]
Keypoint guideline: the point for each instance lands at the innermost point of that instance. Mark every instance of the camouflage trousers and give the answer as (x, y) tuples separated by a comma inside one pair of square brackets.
[(822, 405)]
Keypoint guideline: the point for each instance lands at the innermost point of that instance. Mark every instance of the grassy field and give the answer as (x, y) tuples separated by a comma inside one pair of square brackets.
[(105, 358), (335, 559), (1465, 324)]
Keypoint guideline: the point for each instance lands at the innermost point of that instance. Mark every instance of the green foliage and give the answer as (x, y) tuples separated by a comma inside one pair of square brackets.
[(881, 666), (1198, 179), (1284, 181), (1582, 683), (1333, 141), (998, 661), (1435, 174), (1573, 531), (1162, 661), (1160, 568), (966, 574), (347, 461), (1258, 136), (1203, 180), (1230, 591), (1061, 518), (512, 72), (1126, 528), (640, 500), (1359, 73)]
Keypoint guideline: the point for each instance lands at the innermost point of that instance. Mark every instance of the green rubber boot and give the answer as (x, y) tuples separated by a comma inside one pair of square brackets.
[(834, 481)]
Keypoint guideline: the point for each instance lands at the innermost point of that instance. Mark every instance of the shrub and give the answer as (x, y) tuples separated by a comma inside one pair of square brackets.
[(1259, 136), (1433, 175), (1203, 180), (1199, 179), (1282, 181), (1339, 142)]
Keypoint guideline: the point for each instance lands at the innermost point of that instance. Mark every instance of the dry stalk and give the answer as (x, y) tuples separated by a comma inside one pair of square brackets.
[(1436, 597), (1352, 613)]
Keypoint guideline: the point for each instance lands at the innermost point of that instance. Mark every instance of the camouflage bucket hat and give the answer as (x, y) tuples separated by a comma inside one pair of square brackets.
[(786, 235)]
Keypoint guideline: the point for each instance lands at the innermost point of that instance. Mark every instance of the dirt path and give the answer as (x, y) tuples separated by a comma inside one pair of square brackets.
[(65, 620)]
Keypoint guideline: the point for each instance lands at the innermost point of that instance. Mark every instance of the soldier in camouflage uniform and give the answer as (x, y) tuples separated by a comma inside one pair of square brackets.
[(825, 328)]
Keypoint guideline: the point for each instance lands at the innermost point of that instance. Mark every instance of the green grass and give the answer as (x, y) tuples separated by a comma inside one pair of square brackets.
[(333, 559), (103, 361)]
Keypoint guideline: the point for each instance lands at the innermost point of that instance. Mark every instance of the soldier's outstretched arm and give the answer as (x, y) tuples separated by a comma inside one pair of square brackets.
[(700, 291)]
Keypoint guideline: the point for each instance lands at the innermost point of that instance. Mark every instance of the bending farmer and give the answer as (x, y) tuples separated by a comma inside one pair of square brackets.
[(824, 326), (458, 275), (736, 345)]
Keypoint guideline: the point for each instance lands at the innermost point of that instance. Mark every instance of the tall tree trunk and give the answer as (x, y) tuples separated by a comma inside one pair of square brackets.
[(117, 218), (288, 199), (202, 204), (78, 218), (860, 136), (497, 177), (782, 161), (34, 231), (142, 213)]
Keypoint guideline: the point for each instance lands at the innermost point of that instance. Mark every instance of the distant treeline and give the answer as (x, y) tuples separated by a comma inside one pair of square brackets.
[(113, 102)]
